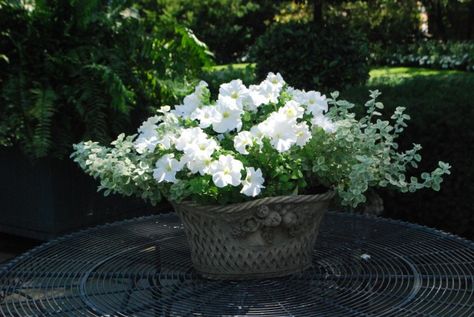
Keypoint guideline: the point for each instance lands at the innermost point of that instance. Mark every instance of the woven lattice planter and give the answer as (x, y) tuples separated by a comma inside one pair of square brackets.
[(263, 238)]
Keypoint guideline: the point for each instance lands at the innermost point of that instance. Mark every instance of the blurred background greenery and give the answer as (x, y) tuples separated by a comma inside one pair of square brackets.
[(89, 69)]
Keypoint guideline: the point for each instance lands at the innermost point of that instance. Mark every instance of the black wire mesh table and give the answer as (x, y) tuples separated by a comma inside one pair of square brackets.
[(141, 267)]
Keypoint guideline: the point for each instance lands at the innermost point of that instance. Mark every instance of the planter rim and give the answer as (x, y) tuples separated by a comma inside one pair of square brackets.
[(236, 207)]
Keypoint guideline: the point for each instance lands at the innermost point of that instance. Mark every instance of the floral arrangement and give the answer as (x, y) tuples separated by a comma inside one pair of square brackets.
[(263, 140)]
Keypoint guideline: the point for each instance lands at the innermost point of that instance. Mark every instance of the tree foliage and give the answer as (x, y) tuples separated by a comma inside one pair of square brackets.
[(229, 27), (74, 70)]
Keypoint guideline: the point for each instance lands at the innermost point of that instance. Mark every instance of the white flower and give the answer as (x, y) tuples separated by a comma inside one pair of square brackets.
[(188, 136), (145, 144), (257, 134), (198, 152), (258, 98), (149, 126), (276, 80), (269, 92), (199, 165), (315, 103), (206, 115), (323, 122), (166, 168), (303, 135), (201, 148), (226, 171), (191, 102), (147, 135), (164, 109), (280, 130), (235, 90), (228, 117), (292, 110), (253, 182), (242, 140), (166, 140), (201, 89), (296, 94)]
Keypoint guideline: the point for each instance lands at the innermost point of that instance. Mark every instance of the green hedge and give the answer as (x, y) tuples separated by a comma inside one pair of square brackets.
[(312, 58), (441, 105), (426, 53)]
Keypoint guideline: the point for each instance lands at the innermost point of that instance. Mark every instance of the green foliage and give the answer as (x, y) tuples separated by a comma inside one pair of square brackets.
[(427, 53), (86, 69), (450, 19), (441, 105), (382, 21), (229, 27), (217, 75), (312, 58)]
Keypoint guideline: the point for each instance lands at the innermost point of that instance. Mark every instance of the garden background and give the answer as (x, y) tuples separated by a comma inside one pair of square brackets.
[(78, 70)]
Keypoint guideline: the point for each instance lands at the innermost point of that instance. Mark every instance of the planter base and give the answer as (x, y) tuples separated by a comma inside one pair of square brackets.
[(264, 238)]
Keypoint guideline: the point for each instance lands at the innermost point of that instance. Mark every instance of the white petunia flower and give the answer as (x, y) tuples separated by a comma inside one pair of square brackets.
[(145, 144), (303, 135), (189, 136), (226, 171), (253, 182), (325, 123), (316, 103), (199, 165), (201, 89), (166, 140), (147, 135), (248, 103), (269, 92), (258, 98), (292, 110), (166, 168), (192, 101), (206, 115), (200, 148), (242, 140), (280, 130), (276, 80), (233, 89), (229, 116)]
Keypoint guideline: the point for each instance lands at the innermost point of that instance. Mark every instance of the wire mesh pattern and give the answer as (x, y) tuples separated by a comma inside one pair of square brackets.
[(362, 267)]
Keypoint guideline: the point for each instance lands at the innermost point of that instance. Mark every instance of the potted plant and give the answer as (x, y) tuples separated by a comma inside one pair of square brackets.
[(252, 173)]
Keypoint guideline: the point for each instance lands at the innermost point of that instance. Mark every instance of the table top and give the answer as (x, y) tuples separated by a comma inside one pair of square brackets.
[(362, 266)]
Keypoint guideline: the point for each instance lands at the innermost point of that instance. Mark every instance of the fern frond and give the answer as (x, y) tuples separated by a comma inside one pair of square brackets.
[(43, 111), (120, 95)]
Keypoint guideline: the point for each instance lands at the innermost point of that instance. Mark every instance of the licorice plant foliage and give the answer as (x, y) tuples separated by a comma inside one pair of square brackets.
[(263, 140)]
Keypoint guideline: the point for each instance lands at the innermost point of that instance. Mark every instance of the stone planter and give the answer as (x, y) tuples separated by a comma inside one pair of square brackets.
[(263, 238)]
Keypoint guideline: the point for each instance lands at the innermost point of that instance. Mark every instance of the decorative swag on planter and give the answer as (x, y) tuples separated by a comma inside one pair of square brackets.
[(251, 173)]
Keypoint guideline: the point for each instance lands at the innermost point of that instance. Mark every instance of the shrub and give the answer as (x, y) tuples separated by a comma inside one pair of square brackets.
[(229, 27), (73, 70), (217, 75), (441, 107), (329, 58), (427, 53)]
